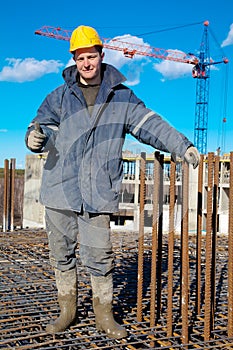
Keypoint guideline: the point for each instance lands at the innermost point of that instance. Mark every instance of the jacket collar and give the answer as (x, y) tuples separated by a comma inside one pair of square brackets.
[(111, 77)]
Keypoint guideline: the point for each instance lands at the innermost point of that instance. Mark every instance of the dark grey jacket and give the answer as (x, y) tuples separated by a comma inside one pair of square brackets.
[(84, 165)]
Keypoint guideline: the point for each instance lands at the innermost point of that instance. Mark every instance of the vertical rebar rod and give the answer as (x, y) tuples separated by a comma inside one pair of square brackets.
[(160, 239), (141, 236), (207, 313), (12, 193), (214, 237), (199, 236), (230, 252), (6, 195), (156, 187), (171, 246), (185, 254)]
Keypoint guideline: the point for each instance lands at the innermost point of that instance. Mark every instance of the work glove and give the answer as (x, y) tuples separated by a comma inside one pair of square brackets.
[(36, 138), (192, 156)]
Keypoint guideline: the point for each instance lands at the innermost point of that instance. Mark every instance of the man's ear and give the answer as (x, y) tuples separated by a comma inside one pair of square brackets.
[(102, 56)]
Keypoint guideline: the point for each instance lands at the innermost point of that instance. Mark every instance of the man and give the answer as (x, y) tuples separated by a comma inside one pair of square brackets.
[(82, 125)]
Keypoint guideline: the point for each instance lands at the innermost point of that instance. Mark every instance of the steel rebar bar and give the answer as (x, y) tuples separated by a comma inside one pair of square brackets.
[(154, 238), (207, 326), (185, 255), (171, 232), (141, 236), (230, 252)]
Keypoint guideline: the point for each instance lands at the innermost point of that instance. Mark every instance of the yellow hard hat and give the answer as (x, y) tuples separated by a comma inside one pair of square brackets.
[(84, 36)]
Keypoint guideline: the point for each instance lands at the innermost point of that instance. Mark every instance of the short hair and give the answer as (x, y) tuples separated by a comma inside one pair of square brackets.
[(99, 49)]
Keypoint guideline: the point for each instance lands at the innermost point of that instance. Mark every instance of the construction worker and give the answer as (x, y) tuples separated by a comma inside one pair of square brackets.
[(82, 125)]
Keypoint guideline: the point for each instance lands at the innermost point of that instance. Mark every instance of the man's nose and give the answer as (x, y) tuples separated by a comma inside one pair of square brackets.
[(86, 62)]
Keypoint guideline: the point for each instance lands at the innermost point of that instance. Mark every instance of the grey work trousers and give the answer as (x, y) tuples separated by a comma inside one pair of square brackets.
[(65, 228)]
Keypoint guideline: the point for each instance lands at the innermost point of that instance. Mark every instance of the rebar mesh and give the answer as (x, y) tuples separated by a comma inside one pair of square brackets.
[(28, 298)]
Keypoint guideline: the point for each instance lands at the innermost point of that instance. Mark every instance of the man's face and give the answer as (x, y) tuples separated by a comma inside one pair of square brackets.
[(88, 61)]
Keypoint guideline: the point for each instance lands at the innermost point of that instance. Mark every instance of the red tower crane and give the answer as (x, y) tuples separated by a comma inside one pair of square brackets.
[(201, 69)]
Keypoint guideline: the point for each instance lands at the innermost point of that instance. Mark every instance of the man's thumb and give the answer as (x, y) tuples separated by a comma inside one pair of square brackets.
[(38, 128)]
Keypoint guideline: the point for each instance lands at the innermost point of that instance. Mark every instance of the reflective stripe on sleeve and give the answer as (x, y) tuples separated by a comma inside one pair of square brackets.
[(53, 127), (50, 126), (144, 119)]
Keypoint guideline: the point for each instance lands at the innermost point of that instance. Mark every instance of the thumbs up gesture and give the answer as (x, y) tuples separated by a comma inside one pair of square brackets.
[(36, 138)]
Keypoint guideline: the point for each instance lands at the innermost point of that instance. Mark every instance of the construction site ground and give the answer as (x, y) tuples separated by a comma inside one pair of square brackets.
[(28, 298)]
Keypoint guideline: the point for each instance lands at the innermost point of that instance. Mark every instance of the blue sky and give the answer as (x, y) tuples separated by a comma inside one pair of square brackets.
[(31, 65)]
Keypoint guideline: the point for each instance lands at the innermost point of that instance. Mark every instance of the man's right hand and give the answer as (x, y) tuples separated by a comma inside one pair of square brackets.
[(192, 156), (36, 138)]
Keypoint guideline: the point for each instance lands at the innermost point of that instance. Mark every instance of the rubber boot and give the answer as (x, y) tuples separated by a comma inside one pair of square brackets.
[(67, 298), (102, 291)]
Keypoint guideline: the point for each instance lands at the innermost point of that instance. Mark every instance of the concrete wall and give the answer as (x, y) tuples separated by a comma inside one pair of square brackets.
[(33, 211)]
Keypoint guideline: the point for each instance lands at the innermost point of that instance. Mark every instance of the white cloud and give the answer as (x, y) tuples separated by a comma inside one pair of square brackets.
[(229, 38), (171, 69), (133, 66), (28, 69), (3, 130), (117, 57), (70, 62)]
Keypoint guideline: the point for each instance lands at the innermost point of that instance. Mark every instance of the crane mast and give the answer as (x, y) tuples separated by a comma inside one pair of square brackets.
[(201, 70), (202, 73)]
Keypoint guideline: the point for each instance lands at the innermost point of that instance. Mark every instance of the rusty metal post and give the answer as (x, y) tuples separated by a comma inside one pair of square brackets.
[(214, 237), (207, 314), (6, 195), (172, 192), (199, 236), (12, 193), (160, 239), (185, 254), (141, 236), (230, 252), (156, 187)]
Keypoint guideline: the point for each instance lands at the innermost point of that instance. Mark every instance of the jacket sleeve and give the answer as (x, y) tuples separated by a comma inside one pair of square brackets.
[(48, 116), (150, 128)]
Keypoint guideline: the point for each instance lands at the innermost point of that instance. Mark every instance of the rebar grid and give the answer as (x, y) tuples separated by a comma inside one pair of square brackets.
[(156, 280), (28, 298)]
